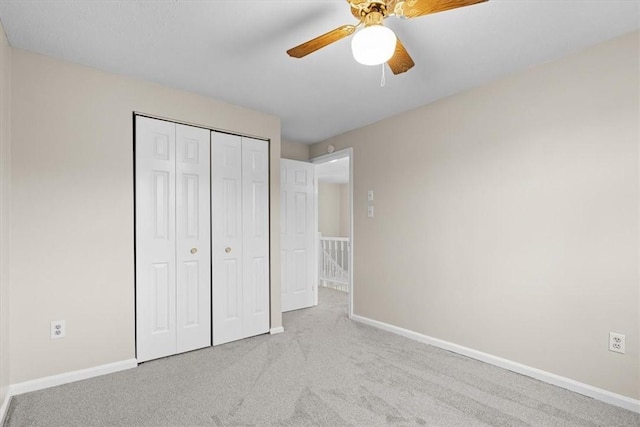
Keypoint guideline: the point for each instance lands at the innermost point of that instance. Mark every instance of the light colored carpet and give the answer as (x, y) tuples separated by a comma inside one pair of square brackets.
[(324, 370)]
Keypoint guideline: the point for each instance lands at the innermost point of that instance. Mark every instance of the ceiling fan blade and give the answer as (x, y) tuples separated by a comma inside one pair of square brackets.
[(321, 41), (400, 62), (414, 8)]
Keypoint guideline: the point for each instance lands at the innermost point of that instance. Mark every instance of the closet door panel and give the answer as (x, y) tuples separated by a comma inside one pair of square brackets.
[(155, 239), (228, 294), (193, 254), (255, 223)]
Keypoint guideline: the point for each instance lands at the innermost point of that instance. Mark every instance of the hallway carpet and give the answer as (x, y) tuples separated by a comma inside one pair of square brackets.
[(324, 370)]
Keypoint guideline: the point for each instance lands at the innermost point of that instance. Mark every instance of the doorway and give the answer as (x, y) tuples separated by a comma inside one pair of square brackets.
[(334, 223)]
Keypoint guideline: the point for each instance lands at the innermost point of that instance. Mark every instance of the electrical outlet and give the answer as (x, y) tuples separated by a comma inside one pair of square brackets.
[(617, 342), (370, 211), (370, 195), (58, 329)]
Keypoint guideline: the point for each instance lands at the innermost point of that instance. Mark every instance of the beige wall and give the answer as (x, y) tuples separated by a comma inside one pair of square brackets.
[(333, 209), (294, 151), (72, 232), (5, 207), (507, 217), (329, 209), (344, 210)]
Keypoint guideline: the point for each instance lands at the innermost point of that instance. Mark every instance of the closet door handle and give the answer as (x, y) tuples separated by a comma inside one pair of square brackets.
[(194, 250), (227, 250)]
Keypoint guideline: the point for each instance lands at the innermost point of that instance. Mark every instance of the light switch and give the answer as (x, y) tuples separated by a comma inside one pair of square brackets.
[(370, 196), (370, 211)]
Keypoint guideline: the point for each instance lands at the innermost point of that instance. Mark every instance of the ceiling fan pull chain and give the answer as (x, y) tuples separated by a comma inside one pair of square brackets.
[(382, 81)]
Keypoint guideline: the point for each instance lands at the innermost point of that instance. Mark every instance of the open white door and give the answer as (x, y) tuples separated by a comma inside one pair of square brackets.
[(297, 240)]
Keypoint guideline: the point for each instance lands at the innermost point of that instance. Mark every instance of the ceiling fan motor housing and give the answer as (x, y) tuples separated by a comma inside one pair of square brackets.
[(361, 9), (373, 18)]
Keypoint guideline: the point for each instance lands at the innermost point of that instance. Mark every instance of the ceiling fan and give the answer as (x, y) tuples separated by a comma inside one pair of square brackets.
[(376, 44)]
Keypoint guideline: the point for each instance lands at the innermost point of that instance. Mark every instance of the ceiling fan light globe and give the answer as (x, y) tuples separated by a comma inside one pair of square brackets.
[(373, 45)]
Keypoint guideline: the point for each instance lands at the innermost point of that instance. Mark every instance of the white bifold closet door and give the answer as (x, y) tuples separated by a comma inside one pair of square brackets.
[(297, 234), (173, 238), (240, 217)]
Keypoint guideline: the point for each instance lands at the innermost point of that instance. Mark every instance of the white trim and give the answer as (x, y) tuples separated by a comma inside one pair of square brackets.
[(5, 407), (277, 330), (351, 234), (333, 156), (544, 376), (69, 377), (316, 237)]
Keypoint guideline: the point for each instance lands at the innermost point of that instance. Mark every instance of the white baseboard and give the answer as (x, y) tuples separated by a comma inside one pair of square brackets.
[(557, 380), (4, 408), (55, 380), (69, 377), (277, 330)]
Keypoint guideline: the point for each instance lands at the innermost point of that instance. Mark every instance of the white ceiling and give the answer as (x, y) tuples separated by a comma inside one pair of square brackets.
[(235, 50), (334, 171)]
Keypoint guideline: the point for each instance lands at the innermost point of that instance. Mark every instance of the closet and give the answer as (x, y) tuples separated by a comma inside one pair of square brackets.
[(201, 205)]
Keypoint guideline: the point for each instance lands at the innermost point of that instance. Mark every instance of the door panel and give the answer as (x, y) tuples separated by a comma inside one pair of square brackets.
[(300, 270), (193, 192), (297, 234), (301, 212), (231, 286), (160, 297), (255, 223), (160, 204), (240, 180), (155, 239), (193, 297), (226, 181)]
